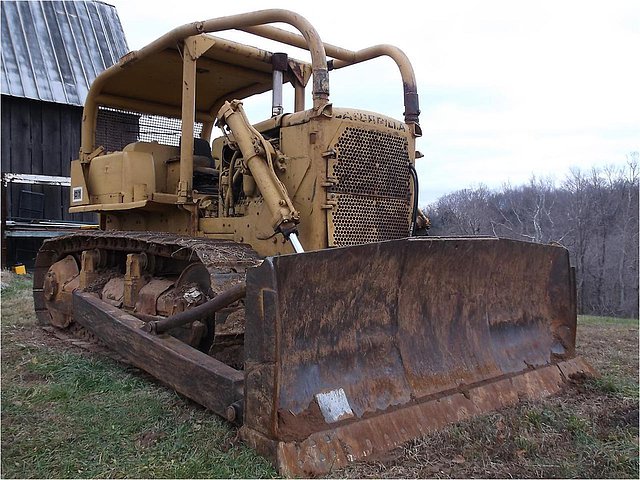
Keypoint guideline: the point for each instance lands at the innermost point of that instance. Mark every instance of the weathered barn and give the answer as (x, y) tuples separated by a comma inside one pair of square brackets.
[(51, 52)]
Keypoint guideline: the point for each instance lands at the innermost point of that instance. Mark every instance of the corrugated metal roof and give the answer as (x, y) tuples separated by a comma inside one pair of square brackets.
[(52, 51)]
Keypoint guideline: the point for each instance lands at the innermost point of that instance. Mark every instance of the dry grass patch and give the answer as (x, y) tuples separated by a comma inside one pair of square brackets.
[(16, 299)]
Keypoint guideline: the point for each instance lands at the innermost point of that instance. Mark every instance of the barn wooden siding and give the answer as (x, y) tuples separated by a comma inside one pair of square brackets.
[(40, 138)]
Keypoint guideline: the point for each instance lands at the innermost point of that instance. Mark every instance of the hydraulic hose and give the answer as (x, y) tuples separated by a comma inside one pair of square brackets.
[(416, 191)]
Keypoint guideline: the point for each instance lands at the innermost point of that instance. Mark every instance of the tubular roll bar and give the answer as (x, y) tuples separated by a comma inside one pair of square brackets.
[(254, 23), (349, 57)]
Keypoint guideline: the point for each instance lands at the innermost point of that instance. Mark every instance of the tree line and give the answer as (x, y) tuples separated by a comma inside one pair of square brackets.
[(593, 213)]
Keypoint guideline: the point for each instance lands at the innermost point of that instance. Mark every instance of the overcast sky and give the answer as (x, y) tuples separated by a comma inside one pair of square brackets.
[(507, 89)]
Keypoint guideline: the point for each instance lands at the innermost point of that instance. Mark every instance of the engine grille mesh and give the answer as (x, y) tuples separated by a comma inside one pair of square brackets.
[(360, 220), (115, 129), (372, 163), (373, 189)]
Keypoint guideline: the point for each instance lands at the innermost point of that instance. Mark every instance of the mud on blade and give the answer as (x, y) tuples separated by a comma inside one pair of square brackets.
[(352, 351)]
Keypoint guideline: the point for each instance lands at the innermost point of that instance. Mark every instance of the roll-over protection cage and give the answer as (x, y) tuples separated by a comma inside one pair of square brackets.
[(104, 90)]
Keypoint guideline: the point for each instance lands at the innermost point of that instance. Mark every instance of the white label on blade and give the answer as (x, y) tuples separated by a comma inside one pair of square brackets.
[(334, 405), (77, 194)]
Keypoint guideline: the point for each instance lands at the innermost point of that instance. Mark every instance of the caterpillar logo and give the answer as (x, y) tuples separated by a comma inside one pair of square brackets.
[(372, 118)]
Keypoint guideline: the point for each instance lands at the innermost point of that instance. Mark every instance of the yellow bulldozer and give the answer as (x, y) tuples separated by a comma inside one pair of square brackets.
[(272, 273)]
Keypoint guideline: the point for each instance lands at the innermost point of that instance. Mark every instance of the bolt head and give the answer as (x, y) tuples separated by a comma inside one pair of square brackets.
[(231, 413)]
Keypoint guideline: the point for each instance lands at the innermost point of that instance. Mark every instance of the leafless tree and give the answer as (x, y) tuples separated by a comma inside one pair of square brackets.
[(594, 214)]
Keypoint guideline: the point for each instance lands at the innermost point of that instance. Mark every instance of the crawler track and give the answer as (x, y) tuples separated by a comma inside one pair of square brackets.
[(225, 261)]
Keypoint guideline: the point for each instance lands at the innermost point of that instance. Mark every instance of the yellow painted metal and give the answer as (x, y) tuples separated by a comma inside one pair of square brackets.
[(20, 269), (304, 141), (193, 48), (188, 117), (288, 181), (134, 72), (257, 157)]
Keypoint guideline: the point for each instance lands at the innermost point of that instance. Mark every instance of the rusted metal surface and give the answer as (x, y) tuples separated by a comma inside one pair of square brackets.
[(219, 256), (193, 265), (326, 450), (204, 379), (346, 352), (59, 283), (396, 323), (149, 294), (113, 292), (200, 312), (199, 269), (198, 274)]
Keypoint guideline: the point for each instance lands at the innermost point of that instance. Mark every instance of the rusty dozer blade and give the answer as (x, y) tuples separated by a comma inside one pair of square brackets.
[(352, 351)]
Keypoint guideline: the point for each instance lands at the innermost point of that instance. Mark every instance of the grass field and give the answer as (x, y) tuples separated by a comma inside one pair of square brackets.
[(68, 412)]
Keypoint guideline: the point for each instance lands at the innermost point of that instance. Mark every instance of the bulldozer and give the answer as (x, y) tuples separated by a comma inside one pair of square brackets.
[(272, 272)]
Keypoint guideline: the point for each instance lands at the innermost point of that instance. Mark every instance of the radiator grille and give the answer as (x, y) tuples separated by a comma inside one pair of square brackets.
[(115, 129), (372, 163), (358, 220), (373, 189)]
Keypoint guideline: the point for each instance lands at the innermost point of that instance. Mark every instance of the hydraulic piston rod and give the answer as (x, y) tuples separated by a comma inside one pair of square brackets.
[(297, 246), (256, 154)]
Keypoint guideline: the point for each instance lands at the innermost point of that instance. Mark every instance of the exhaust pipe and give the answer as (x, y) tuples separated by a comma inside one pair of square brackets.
[(280, 62)]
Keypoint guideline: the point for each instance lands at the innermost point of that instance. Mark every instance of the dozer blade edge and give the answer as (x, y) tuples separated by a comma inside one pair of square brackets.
[(352, 351)]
